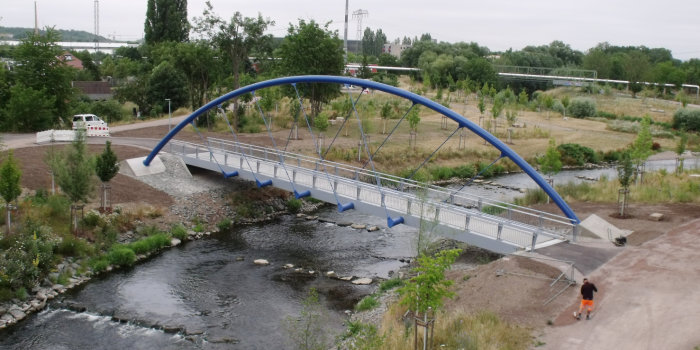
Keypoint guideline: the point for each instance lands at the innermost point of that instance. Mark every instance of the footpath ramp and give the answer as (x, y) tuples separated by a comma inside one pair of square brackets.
[(598, 227)]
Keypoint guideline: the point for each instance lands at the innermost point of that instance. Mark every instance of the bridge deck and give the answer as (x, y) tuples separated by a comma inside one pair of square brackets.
[(456, 216)]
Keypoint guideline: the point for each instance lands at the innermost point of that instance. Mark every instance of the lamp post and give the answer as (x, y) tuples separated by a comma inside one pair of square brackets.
[(170, 117)]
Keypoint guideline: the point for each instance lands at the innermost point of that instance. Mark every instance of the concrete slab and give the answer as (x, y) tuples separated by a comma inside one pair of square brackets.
[(597, 226), (137, 167), (586, 258)]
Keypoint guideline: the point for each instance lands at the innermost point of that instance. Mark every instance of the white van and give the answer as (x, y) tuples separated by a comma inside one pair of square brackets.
[(83, 121)]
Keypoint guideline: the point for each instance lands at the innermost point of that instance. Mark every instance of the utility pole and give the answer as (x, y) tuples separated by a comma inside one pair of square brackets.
[(345, 37), (170, 116), (97, 25), (36, 21)]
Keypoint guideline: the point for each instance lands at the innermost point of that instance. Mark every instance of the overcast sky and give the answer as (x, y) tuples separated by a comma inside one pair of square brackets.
[(498, 25)]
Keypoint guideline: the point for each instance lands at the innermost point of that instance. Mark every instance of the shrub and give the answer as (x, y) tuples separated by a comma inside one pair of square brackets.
[(99, 264), (225, 224), (321, 122), (121, 256), (558, 107), (72, 246), (149, 244), (293, 205), (58, 206), (581, 108), (390, 284), (575, 154), (367, 303), (178, 231), (441, 173), (687, 119), (465, 171), (655, 146), (606, 115), (91, 220)]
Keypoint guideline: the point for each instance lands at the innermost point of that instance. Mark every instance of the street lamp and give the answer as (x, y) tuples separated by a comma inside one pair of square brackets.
[(170, 117)]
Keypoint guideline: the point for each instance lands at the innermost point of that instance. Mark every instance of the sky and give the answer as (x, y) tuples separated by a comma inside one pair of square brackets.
[(498, 25)]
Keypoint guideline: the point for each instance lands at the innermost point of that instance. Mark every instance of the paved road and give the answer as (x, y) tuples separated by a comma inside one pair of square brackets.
[(649, 299), (28, 140)]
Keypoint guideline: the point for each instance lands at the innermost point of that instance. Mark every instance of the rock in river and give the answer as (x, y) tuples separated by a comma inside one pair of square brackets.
[(261, 262)]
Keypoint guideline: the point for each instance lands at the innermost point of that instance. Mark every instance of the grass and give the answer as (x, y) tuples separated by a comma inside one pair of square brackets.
[(456, 329), (367, 303), (150, 243), (390, 284), (657, 187), (179, 231)]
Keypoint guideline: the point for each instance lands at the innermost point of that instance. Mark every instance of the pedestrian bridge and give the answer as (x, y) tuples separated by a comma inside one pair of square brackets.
[(489, 224)]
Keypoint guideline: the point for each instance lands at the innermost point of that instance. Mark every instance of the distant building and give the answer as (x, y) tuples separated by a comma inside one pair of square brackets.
[(95, 90), (71, 60), (395, 49)]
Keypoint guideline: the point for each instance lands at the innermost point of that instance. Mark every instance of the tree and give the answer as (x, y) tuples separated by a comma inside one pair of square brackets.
[(680, 149), (414, 118), (29, 109), (10, 188), (429, 287), (307, 331), (385, 113), (167, 82), (625, 170), (74, 173), (166, 20), (311, 49), (106, 167), (39, 68), (641, 148), (550, 164), (238, 39)]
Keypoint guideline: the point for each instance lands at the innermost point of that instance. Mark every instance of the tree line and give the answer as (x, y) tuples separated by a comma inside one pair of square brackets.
[(191, 62)]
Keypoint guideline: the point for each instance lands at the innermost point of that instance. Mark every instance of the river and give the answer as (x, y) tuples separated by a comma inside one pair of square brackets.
[(206, 298), (213, 300)]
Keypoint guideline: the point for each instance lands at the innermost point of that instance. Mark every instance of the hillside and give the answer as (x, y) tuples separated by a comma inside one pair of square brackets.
[(66, 35)]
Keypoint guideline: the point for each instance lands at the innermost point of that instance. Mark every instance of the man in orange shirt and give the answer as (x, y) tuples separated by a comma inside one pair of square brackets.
[(587, 290)]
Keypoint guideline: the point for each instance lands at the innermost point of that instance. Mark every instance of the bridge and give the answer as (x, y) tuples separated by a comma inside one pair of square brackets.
[(493, 225)]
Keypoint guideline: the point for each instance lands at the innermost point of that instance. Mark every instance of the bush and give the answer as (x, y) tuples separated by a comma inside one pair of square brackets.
[(293, 205), (441, 173), (150, 244), (178, 231), (225, 224), (72, 246), (687, 119), (367, 303), (121, 256), (582, 108), (390, 284), (465, 171), (575, 154), (91, 220), (606, 115), (655, 146), (321, 122), (558, 107), (99, 264)]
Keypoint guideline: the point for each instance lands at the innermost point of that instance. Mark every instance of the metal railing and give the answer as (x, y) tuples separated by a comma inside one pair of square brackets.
[(461, 211)]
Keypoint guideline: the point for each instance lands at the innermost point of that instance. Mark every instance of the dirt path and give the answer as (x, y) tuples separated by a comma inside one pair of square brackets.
[(649, 299)]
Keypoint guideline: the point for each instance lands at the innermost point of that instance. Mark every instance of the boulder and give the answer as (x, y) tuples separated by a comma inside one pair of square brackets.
[(344, 224), (346, 278), (372, 228), (17, 314), (656, 216), (261, 262), (288, 266), (358, 226), (240, 258), (362, 281), (175, 242), (331, 274), (311, 217)]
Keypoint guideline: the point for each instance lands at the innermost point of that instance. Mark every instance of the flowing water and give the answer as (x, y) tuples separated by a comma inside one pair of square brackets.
[(200, 295)]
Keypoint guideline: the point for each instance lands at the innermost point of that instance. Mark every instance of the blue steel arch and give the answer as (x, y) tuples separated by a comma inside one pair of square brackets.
[(462, 121)]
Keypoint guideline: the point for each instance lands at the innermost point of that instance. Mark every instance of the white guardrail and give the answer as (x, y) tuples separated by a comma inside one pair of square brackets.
[(520, 226), (69, 135)]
